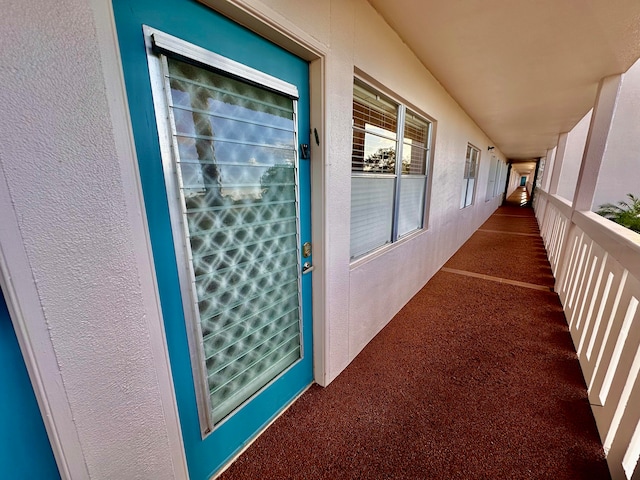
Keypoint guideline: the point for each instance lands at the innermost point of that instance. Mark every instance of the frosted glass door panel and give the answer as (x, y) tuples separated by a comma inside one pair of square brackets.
[(236, 167)]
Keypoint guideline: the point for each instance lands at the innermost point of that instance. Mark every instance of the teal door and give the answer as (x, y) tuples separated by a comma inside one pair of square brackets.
[(219, 115), (25, 451)]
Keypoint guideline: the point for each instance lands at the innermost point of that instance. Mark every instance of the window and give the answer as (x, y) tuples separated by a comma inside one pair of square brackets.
[(491, 180), (502, 178), (495, 182), (470, 173), (387, 197)]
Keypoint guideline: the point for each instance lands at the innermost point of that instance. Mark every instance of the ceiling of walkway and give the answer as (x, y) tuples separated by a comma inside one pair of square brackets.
[(524, 70)]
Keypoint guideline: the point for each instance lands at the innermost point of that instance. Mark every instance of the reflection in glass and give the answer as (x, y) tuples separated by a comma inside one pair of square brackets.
[(374, 133)]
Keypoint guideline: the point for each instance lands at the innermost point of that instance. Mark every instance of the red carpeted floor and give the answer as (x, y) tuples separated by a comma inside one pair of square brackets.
[(474, 379)]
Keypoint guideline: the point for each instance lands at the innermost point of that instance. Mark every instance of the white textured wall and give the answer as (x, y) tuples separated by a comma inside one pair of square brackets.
[(73, 191), (620, 168), (339, 96), (572, 159)]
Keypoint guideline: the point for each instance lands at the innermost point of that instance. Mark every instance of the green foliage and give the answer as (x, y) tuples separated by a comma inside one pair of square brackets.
[(626, 214)]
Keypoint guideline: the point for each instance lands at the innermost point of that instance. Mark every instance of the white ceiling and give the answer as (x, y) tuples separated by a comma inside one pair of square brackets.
[(524, 70)]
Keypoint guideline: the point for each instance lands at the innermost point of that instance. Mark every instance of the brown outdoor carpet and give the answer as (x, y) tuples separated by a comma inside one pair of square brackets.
[(475, 378)]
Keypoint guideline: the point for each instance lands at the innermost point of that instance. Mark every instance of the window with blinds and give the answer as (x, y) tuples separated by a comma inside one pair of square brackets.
[(414, 178), (387, 196), (470, 174)]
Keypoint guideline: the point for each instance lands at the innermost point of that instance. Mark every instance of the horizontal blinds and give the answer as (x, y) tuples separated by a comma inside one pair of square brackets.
[(371, 213), (410, 215), (415, 144), (491, 181), (375, 123)]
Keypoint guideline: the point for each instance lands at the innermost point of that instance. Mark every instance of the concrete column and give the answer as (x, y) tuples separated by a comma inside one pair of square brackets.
[(548, 169), (557, 164), (599, 129)]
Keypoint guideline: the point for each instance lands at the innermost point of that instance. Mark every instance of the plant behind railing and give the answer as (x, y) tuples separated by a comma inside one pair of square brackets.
[(624, 213)]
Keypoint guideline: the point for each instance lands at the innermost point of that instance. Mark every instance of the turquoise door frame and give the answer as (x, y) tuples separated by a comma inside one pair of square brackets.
[(25, 451), (199, 25)]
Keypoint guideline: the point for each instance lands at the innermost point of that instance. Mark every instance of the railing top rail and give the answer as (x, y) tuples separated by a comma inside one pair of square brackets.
[(620, 242), (561, 204)]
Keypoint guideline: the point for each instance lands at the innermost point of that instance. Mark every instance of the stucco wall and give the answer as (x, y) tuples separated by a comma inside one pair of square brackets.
[(620, 168)]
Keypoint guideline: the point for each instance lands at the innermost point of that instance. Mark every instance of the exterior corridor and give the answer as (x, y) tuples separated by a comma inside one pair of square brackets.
[(475, 378)]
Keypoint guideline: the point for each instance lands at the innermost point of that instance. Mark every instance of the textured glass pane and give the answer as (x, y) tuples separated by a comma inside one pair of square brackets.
[(236, 165), (411, 210), (371, 213)]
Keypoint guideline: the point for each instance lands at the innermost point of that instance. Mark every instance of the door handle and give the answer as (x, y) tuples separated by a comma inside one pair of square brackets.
[(307, 268)]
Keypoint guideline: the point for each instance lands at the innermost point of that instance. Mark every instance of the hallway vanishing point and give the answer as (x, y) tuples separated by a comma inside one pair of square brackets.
[(475, 378)]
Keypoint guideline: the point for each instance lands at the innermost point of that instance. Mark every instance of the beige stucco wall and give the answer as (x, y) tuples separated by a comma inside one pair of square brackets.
[(548, 168)]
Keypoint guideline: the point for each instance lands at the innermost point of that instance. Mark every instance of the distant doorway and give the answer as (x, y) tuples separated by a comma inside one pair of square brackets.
[(523, 181)]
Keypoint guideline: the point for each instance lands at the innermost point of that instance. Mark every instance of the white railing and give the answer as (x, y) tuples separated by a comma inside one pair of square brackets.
[(596, 264)]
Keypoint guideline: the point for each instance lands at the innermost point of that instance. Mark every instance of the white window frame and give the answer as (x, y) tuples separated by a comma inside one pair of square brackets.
[(402, 109)]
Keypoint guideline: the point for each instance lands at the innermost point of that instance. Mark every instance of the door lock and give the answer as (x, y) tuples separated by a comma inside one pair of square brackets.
[(306, 250)]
